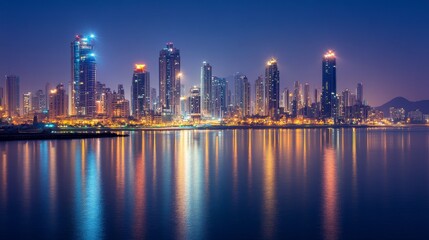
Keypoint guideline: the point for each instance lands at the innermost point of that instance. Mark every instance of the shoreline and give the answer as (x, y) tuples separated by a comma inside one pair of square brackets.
[(117, 129), (57, 136)]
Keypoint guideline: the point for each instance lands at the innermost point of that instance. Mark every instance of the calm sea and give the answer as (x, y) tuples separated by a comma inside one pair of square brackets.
[(229, 184)]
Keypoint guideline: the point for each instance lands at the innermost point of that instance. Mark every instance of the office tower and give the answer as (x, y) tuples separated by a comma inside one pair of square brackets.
[(296, 100), (272, 88), (153, 99), (285, 100), (140, 91), (329, 85), (219, 97), (83, 85), (206, 89), (260, 96), (47, 89), (359, 94), (195, 102), (12, 103), (121, 91), (306, 100), (39, 102), (242, 94), (26, 104), (120, 105), (58, 102), (169, 79)]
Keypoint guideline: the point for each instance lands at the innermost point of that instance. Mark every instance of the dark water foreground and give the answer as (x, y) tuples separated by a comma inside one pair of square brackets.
[(229, 184)]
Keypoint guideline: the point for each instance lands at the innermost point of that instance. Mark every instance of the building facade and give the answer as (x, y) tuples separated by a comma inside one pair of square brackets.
[(12, 96), (140, 92), (329, 86), (272, 88), (83, 83), (206, 89), (169, 79)]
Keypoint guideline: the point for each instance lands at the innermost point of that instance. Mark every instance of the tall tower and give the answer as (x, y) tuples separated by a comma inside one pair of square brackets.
[(259, 96), (242, 94), (140, 91), (329, 85), (58, 102), (12, 97), (83, 68), (206, 89), (359, 93), (195, 102), (218, 95), (169, 79), (272, 88)]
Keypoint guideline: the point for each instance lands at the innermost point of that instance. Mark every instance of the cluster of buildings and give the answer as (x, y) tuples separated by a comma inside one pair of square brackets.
[(216, 98)]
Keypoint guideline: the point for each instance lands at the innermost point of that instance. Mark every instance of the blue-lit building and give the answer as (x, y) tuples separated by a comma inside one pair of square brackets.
[(206, 89), (272, 88), (140, 92), (219, 97), (329, 86), (83, 84), (169, 80)]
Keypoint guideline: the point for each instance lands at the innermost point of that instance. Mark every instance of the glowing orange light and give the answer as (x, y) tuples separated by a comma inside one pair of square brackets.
[(330, 54), (140, 66), (271, 61)]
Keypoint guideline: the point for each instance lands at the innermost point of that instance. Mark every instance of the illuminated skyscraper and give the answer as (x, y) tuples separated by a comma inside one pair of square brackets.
[(329, 85), (218, 97), (12, 102), (169, 79), (359, 94), (206, 89), (260, 96), (242, 94), (83, 85), (58, 102), (140, 91), (195, 102), (26, 107), (272, 88)]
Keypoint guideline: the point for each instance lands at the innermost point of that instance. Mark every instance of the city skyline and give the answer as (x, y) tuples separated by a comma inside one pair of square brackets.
[(362, 47)]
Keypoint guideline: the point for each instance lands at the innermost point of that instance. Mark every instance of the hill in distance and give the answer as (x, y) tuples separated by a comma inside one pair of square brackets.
[(401, 102)]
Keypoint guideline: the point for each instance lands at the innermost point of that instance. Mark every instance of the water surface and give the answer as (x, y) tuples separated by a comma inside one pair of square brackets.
[(230, 184)]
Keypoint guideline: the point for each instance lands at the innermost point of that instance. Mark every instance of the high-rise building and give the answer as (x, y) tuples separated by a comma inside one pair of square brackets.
[(359, 94), (206, 89), (39, 102), (284, 102), (153, 99), (218, 97), (272, 88), (195, 102), (169, 79), (140, 91), (296, 100), (242, 94), (83, 85), (12, 96), (26, 104), (58, 105), (121, 106), (329, 85), (260, 96)]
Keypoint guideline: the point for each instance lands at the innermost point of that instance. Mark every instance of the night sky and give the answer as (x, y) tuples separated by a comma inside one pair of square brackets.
[(384, 44)]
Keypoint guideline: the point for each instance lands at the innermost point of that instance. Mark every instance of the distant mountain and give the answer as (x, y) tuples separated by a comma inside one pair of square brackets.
[(401, 102)]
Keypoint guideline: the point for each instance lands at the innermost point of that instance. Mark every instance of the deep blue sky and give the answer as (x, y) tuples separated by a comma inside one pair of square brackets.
[(384, 44)]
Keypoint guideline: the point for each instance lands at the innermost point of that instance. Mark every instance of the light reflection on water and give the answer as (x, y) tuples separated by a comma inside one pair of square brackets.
[(312, 183)]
